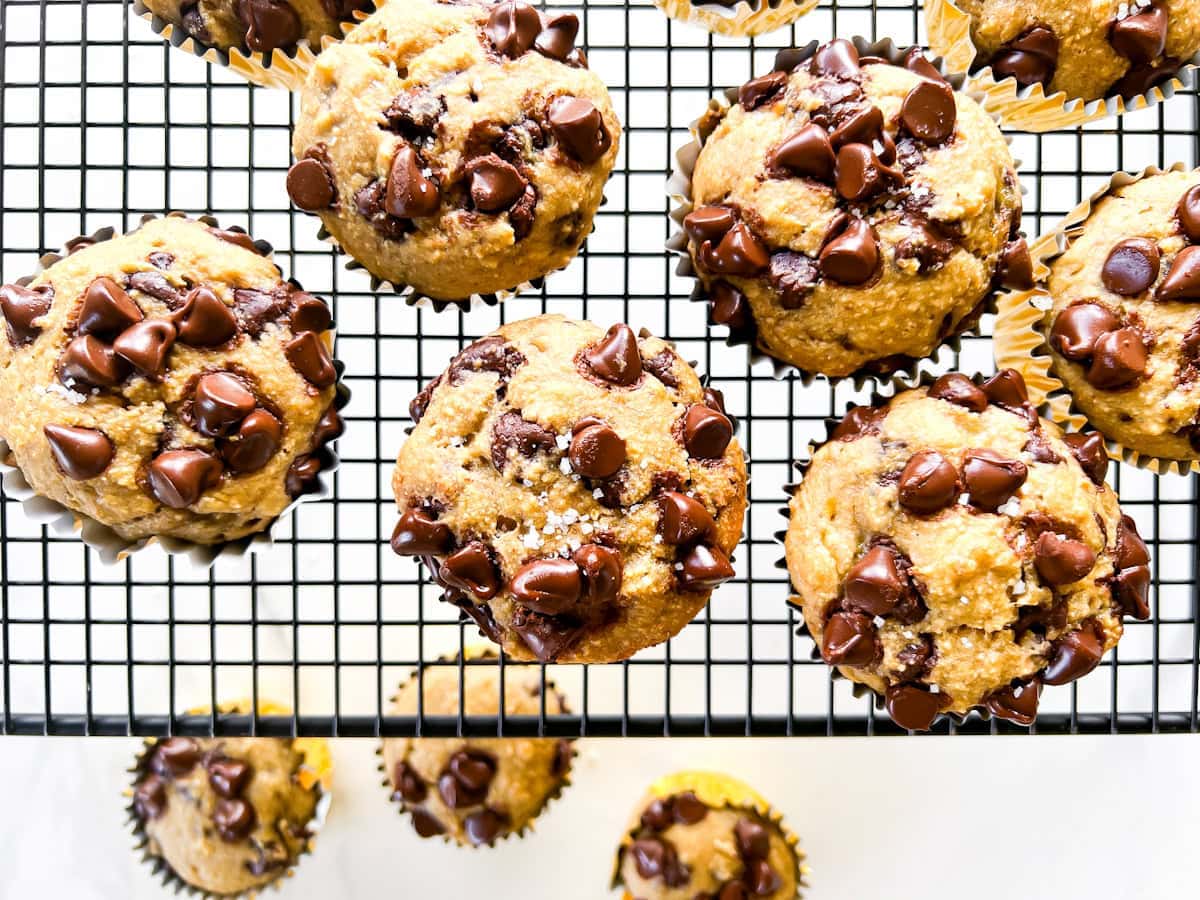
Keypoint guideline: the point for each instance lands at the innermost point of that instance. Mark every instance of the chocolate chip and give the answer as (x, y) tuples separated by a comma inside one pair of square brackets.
[(1188, 213), (1006, 389), (414, 113), (914, 60), (959, 390), (410, 192), (220, 403), (1183, 279), (409, 785), (489, 354), (153, 284), (494, 184), (859, 420), (310, 185), (21, 306), (234, 819), (146, 345), (237, 237), (513, 27), (1131, 549), (928, 483), (301, 477), (1131, 266), (174, 757), (662, 367), (254, 442), (757, 91), (925, 244), (177, 478), (512, 436), (204, 320), (852, 256), (657, 858), (547, 637), (465, 780), (1031, 58), (1060, 560), (309, 313), (708, 223), (150, 798), (861, 174), (1075, 655), (704, 567), (929, 112), (1141, 37), (79, 453), (309, 356), (688, 808), (426, 824), (557, 38), (270, 24), (596, 451), (1077, 328), (549, 586), (659, 815), (601, 569), (706, 432), (738, 253), (837, 59), (227, 776), (106, 310), (1015, 266), (729, 305), (753, 841), (1016, 704), (89, 362), (1131, 583), (991, 479), (761, 879), (849, 640), (370, 201), (483, 827), (418, 534), (1089, 450), (793, 276), (579, 129), (877, 585), (912, 707), (684, 520), (714, 399), (734, 890), (807, 153), (615, 358), (864, 126), (471, 569), (193, 21), (1118, 359), (1039, 448)]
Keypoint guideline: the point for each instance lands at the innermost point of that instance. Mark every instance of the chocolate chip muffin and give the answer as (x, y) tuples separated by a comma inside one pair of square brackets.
[(951, 551), (576, 491), (1102, 48), (456, 148), (704, 836), (1123, 323), (475, 791), (168, 383), (225, 815), (853, 213), (258, 26)]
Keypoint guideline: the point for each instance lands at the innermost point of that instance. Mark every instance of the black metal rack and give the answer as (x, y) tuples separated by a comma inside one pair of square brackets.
[(103, 121)]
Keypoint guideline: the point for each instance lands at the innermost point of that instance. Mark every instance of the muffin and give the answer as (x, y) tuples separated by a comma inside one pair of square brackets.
[(1102, 48), (576, 491), (1123, 323), (705, 836), (258, 26), (456, 148), (854, 214), (168, 383), (475, 791), (226, 815), (953, 551)]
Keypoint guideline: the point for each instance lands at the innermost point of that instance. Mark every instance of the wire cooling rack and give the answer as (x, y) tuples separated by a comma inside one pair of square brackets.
[(103, 121)]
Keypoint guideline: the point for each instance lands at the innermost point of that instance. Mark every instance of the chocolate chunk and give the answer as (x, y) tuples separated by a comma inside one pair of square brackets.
[(757, 91), (1017, 704), (309, 356), (426, 824), (310, 185), (301, 477), (107, 310), (959, 390), (21, 306), (227, 776), (309, 313), (807, 153), (547, 637), (837, 59), (579, 129), (1007, 389), (1141, 37), (253, 444), (177, 478), (928, 483), (471, 569), (662, 367), (861, 174), (912, 707), (914, 60), (615, 358), (270, 24), (925, 245), (864, 126), (550, 586), (512, 28), (738, 253), (1040, 619), (714, 399), (150, 798), (193, 21), (1039, 448), (146, 345), (89, 362), (370, 201), (255, 309), (513, 436), (557, 38), (234, 819), (1131, 591), (204, 320), (489, 354), (411, 193), (704, 568), (1131, 549), (1183, 279), (729, 305), (495, 184), (1077, 328), (657, 858), (991, 479), (1076, 654), (237, 237), (79, 453), (708, 223), (483, 827), (153, 284), (753, 841), (684, 520), (859, 420), (418, 534), (1089, 450), (659, 815), (878, 585), (793, 276), (465, 780), (760, 879), (1030, 58), (597, 451), (602, 572), (174, 757), (706, 432), (1131, 266), (409, 785), (849, 640), (1015, 267), (414, 113), (1060, 560), (1188, 213), (929, 112), (1118, 359), (220, 403), (851, 257)]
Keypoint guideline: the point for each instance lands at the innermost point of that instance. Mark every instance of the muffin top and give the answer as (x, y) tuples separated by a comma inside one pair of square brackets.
[(226, 815), (951, 550), (476, 790), (459, 148), (258, 25), (1101, 48), (1124, 324), (167, 382), (853, 213), (576, 491)]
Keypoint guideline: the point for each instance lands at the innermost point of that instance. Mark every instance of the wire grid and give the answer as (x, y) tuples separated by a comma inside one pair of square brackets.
[(103, 121)]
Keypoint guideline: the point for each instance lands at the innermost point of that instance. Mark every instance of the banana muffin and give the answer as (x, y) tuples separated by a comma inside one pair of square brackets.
[(258, 26), (575, 490), (952, 550)]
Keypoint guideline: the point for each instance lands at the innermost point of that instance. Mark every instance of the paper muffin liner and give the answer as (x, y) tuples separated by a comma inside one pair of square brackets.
[(679, 190), (1021, 345), (280, 68), (715, 790), (110, 546), (472, 652), (742, 18), (1030, 108), (315, 774)]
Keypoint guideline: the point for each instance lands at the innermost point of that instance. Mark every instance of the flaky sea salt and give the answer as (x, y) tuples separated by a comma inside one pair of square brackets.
[(1018, 588), (563, 441), (1011, 507)]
